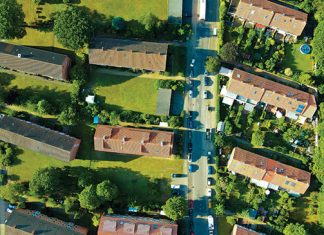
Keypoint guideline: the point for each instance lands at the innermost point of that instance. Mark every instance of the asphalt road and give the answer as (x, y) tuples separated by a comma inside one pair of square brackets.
[(201, 45), (3, 207)]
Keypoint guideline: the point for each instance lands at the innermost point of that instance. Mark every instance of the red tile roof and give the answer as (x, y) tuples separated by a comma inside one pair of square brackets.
[(133, 141), (261, 168), (240, 230), (261, 89), (128, 225)]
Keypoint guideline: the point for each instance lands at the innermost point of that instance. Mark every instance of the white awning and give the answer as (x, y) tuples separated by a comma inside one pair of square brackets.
[(291, 115), (226, 72), (225, 92), (249, 107), (228, 101)]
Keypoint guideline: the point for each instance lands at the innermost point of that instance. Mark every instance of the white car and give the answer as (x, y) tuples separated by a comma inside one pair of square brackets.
[(205, 95), (9, 210), (209, 192), (209, 182), (192, 63), (190, 93)]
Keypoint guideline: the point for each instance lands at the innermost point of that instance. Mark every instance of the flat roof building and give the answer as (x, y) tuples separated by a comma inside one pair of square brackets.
[(113, 224), (37, 138), (163, 101), (133, 141), (268, 173), (34, 61), (138, 55)]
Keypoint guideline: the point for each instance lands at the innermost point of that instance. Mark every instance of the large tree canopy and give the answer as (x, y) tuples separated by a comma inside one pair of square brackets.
[(72, 28), (89, 199), (107, 191), (229, 52), (294, 229), (11, 20), (318, 47), (175, 208)]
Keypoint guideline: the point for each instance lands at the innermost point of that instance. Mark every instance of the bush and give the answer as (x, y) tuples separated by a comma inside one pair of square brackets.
[(118, 23), (288, 72)]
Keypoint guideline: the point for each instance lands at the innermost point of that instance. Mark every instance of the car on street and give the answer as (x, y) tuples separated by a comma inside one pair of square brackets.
[(189, 157), (210, 170), (211, 232), (190, 168), (190, 114), (189, 147), (209, 181), (190, 93), (205, 95), (177, 175), (214, 32), (209, 192), (9, 210), (191, 204), (11, 206), (192, 63), (206, 81), (209, 159), (191, 83), (208, 134), (190, 124)]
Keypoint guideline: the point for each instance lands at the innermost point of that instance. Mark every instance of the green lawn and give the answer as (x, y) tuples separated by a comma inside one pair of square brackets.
[(124, 92), (297, 61), (224, 228), (128, 9)]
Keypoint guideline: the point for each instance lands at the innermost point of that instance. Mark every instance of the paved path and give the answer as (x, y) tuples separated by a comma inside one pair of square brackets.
[(3, 207)]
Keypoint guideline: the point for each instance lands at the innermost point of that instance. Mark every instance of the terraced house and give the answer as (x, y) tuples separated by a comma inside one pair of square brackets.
[(263, 13), (251, 90), (268, 173), (133, 141), (34, 61), (38, 138), (137, 55)]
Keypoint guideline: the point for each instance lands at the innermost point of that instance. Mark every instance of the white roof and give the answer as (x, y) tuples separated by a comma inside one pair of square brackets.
[(90, 99), (228, 101), (226, 72), (249, 107)]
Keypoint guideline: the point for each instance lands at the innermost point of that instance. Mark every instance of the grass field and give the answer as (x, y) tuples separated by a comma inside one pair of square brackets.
[(124, 92), (131, 9), (297, 61)]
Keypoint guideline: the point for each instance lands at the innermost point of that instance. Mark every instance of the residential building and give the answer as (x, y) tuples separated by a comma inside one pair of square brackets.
[(37, 138), (137, 55), (240, 230), (163, 101), (23, 222), (175, 11), (268, 173), (264, 13), (133, 141), (127, 225), (252, 90), (34, 61)]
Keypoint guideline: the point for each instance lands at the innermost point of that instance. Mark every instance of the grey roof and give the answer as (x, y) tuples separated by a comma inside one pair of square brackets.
[(36, 132), (175, 11), (163, 101), (27, 221), (128, 45), (31, 60)]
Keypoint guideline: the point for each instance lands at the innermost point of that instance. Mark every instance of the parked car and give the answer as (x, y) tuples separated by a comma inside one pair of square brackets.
[(209, 192), (210, 170), (177, 175), (11, 206), (208, 134), (206, 81), (190, 168), (191, 83), (190, 124), (191, 204), (9, 210), (205, 95), (190, 114), (189, 147), (209, 181), (189, 157), (209, 159), (190, 93), (192, 63)]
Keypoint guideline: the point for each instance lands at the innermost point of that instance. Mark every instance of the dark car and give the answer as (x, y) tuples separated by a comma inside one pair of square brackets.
[(189, 147), (206, 81), (210, 170), (177, 175), (190, 114), (190, 124)]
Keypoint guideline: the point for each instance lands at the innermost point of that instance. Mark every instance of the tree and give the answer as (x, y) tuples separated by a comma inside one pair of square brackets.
[(11, 20), (6, 154), (86, 178), (43, 107), (46, 182), (114, 118), (321, 89), (229, 52), (219, 209), (149, 21), (72, 27), (88, 198), (306, 79), (107, 191), (288, 72), (212, 64), (258, 138), (318, 48), (294, 229), (175, 208), (13, 192), (68, 116), (118, 23), (219, 141), (71, 204)]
